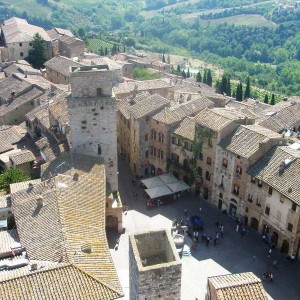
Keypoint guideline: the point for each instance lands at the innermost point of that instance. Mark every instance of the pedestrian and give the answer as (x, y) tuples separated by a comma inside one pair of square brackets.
[(237, 227), (207, 241), (275, 263), (243, 231), (200, 209), (185, 212), (197, 236), (222, 230), (270, 252)]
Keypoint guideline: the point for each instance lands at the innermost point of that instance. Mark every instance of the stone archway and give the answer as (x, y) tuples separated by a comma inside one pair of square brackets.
[(285, 247), (254, 223), (232, 210)]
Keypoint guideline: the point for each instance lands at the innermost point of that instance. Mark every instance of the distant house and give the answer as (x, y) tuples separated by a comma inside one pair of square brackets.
[(16, 39)]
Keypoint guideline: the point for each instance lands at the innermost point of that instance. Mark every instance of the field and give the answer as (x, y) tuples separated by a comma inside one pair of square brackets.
[(250, 20), (96, 44)]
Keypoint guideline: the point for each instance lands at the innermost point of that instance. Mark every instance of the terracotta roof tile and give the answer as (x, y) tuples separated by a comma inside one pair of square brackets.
[(62, 64), (186, 129), (218, 118), (247, 139), (22, 157), (148, 105), (244, 286), (280, 169)]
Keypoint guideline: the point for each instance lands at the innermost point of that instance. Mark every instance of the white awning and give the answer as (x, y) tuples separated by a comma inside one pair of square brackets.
[(152, 182), (168, 178), (178, 186), (158, 191)]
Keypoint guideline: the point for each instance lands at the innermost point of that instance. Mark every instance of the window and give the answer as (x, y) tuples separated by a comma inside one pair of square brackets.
[(161, 154), (174, 157), (258, 202), (146, 154), (175, 141), (199, 171), (238, 170), (99, 91), (99, 150), (207, 176), (224, 162), (154, 151), (290, 227), (200, 156), (162, 138), (21, 54), (186, 164), (259, 184), (270, 191), (146, 137), (208, 160), (252, 179), (151, 150), (210, 144), (294, 206), (267, 210), (154, 135), (250, 197), (20, 44), (236, 189)]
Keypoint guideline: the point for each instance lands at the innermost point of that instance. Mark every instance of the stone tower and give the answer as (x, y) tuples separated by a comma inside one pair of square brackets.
[(154, 267), (92, 109)]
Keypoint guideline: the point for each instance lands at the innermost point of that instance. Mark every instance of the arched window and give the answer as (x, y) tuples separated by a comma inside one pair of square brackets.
[(207, 176), (154, 135), (154, 151)]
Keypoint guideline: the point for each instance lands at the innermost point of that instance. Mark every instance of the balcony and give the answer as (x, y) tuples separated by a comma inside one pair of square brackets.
[(179, 165)]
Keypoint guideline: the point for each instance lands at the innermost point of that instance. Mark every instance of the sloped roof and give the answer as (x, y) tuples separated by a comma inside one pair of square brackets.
[(22, 157), (56, 32), (62, 64), (128, 87), (11, 134), (247, 139), (148, 105), (186, 128), (69, 40), (11, 85), (66, 235), (8, 239), (20, 100), (280, 169), (284, 115), (218, 118), (244, 286), (16, 30), (23, 186)]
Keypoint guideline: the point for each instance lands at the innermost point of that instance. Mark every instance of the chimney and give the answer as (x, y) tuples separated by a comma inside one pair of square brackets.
[(33, 267), (40, 202), (12, 95)]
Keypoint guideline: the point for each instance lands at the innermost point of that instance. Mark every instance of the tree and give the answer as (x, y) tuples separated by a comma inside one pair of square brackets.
[(228, 87), (209, 78), (163, 58), (81, 33), (188, 74), (247, 90), (178, 69), (12, 175), (223, 85), (101, 51), (37, 55), (205, 76), (105, 51), (266, 99), (198, 77), (239, 92), (273, 99), (183, 74)]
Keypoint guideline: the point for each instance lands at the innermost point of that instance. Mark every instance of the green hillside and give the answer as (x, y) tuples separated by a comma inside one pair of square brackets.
[(255, 38)]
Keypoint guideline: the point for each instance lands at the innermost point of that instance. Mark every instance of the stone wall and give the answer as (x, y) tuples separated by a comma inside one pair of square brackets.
[(76, 49), (150, 280)]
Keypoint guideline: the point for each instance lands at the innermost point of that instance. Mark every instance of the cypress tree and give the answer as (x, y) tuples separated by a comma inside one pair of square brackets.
[(247, 91), (178, 69), (218, 86), (188, 74), (228, 88), (199, 77), (223, 86), (273, 99), (209, 78), (101, 51), (183, 74), (205, 76), (105, 51), (266, 99), (241, 91), (163, 58), (37, 56)]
